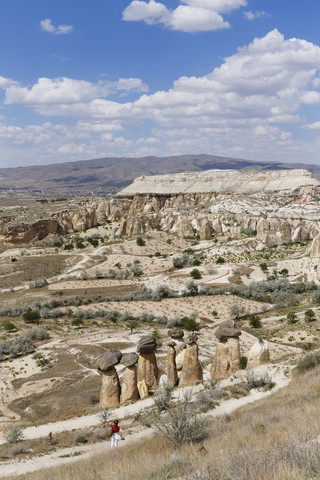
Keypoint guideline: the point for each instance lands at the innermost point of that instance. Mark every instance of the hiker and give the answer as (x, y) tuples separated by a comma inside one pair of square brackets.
[(114, 433)]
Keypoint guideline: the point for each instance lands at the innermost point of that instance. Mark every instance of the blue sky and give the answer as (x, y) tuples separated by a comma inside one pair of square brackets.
[(82, 80)]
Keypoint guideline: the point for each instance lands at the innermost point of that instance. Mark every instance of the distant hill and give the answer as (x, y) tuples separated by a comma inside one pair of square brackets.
[(109, 175)]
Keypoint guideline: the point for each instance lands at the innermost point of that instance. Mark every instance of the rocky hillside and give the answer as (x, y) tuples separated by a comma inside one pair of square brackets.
[(109, 175), (273, 206)]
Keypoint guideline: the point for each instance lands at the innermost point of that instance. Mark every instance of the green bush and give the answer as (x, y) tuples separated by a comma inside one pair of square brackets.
[(140, 242), (9, 326), (308, 362), (68, 246), (196, 274), (292, 318), (264, 381), (220, 260), (254, 321), (190, 324), (31, 317), (243, 362), (264, 267), (309, 315)]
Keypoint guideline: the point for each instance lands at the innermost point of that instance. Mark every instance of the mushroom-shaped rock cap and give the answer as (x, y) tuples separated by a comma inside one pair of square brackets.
[(227, 329), (129, 359), (146, 345), (108, 360), (172, 344), (176, 333)]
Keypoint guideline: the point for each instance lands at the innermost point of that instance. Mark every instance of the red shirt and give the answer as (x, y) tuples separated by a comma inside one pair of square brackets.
[(115, 428)]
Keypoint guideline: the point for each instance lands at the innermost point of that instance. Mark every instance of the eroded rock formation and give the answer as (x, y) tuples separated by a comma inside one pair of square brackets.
[(147, 363), (259, 354), (172, 374), (227, 356), (192, 370), (110, 388), (129, 389)]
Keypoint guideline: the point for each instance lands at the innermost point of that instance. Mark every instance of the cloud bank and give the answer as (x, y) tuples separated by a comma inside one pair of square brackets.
[(47, 26), (190, 16)]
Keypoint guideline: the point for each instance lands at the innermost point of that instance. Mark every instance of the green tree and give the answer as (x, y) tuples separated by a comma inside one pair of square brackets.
[(140, 242), (254, 321), (292, 317), (264, 267)]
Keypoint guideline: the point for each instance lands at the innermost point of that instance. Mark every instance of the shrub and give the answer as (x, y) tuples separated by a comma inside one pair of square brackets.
[(180, 424), (163, 396), (236, 311), (190, 324), (309, 315), (32, 316), (264, 381), (315, 296), (254, 321), (191, 289), (15, 433), (39, 283), (292, 318), (103, 415), (93, 241), (264, 267), (156, 335), (77, 322), (9, 326), (68, 246), (81, 439), (38, 333), (140, 242), (308, 362), (137, 271), (220, 260), (196, 274), (94, 399), (249, 231), (243, 362)]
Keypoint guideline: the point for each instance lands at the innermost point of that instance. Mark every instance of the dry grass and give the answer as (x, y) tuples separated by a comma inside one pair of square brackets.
[(274, 439)]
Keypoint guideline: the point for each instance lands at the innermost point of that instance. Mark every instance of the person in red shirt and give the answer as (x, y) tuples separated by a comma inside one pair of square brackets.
[(115, 435)]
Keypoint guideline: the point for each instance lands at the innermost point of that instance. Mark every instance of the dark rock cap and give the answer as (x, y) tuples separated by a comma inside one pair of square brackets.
[(176, 333), (172, 344), (227, 329), (130, 359), (108, 360), (147, 345)]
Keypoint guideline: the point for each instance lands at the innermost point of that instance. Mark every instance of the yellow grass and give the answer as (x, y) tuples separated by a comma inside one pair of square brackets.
[(274, 439)]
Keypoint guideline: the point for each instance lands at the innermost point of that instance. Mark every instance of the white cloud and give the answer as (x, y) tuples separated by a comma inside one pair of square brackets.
[(191, 16), (248, 106), (47, 26), (249, 15), (67, 91)]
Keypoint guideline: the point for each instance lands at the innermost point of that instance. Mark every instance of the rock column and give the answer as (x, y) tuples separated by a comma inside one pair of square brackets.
[(147, 365), (172, 374), (110, 388), (192, 370), (227, 357), (129, 389)]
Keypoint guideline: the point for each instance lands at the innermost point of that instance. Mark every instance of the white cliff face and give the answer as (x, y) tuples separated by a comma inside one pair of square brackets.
[(222, 181)]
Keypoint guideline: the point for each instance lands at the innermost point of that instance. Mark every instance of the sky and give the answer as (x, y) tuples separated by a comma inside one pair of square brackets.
[(84, 79)]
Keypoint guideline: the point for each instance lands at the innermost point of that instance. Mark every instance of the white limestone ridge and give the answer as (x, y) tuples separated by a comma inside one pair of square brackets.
[(222, 181)]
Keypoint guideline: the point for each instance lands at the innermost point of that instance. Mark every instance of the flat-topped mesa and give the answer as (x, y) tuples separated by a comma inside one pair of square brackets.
[(222, 181)]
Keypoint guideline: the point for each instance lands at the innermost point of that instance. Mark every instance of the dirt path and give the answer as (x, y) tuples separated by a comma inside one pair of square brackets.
[(72, 454)]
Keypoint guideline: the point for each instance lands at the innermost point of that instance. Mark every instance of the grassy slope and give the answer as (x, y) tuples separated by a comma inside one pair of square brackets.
[(274, 439)]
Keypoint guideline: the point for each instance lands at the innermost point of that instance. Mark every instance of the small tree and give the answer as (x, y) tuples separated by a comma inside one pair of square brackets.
[(264, 267), (132, 324), (236, 311), (77, 322), (156, 335), (309, 315), (190, 324), (163, 397), (140, 242), (196, 274), (220, 260), (192, 288), (103, 415)]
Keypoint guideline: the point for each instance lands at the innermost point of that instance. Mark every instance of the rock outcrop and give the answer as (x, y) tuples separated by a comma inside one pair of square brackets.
[(147, 363), (110, 388), (192, 370), (227, 356), (129, 389), (172, 375), (258, 354)]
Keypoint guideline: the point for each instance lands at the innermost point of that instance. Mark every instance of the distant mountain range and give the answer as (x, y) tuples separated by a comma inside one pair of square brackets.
[(109, 175)]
